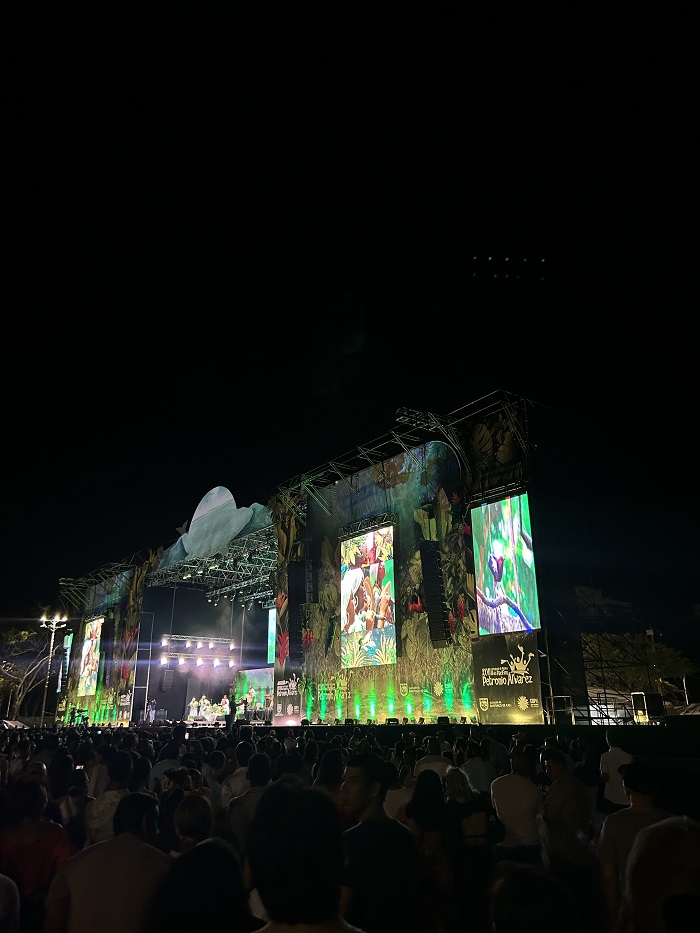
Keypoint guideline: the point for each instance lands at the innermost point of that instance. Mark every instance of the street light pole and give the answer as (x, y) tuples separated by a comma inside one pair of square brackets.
[(53, 625)]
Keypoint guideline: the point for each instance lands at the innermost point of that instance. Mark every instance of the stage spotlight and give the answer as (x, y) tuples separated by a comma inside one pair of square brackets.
[(163, 659), (199, 662), (180, 661)]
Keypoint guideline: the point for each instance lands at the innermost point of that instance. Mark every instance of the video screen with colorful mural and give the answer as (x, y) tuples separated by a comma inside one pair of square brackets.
[(90, 659), (504, 566), (367, 599)]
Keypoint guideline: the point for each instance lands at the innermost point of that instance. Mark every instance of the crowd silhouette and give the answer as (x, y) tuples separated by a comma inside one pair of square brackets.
[(335, 833)]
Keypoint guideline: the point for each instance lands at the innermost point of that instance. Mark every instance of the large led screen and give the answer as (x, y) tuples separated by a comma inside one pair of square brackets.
[(255, 690), (90, 659), (367, 599), (504, 567)]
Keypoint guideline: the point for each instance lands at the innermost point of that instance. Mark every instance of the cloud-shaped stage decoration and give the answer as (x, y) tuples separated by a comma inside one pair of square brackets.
[(216, 521)]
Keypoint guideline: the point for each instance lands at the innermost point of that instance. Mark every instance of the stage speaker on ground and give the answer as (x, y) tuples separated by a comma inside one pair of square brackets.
[(434, 593), (443, 720), (349, 722), (166, 680), (392, 722), (305, 722)]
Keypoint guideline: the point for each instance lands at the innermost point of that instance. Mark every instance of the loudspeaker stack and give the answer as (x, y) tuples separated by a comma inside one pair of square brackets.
[(434, 593)]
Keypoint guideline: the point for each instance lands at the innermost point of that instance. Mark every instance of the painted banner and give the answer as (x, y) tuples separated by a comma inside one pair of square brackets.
[(507, 685)]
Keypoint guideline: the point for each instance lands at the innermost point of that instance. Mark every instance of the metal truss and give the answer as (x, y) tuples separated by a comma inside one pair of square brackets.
[(368, 524), (245, 569), (421, 428)]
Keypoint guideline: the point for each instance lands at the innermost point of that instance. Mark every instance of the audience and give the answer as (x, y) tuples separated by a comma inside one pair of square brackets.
[(425, 862), (520, 807), (620, 828), (661, 889), (99, 813), (128, 862), (381, 854), (213, 870), (296, 860), (569, 832), (32, 848)]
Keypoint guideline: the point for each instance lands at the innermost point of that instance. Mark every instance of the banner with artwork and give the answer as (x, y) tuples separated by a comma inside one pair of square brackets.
[(507, 686)]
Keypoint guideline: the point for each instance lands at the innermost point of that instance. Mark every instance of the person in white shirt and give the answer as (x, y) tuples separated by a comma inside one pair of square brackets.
[(520, 807), (433, 761), (614, 794), (478, 767), (238, 782)]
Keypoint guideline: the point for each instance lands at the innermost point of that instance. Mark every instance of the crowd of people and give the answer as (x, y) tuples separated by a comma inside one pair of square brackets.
[(336, 833)]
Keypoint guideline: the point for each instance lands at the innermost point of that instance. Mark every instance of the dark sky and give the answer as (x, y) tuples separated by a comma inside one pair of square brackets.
[(235, 246)]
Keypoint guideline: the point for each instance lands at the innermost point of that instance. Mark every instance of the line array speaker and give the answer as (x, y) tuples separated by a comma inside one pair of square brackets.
[(434, 592), (303, 581), (166, 680), (294, 626)]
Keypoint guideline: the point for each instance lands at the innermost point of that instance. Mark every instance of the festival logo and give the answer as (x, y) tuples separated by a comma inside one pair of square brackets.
[(518, 665)]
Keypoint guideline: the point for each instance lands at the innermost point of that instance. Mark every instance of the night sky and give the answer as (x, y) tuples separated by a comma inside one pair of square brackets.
[(234, 247)]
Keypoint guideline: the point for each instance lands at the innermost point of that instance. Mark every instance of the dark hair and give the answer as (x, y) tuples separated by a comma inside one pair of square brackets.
[(427, 803), (308, 816), (331, 768), (194, 817), (213, 865), (132, 810), (259, 769), (553, 754), (244, 752), (120, 766), (27, 796), (372, 766), (140, 773)]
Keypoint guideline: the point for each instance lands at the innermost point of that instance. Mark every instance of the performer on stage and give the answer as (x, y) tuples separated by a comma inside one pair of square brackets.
[(194, 708), (204, 705), (225, 706)]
